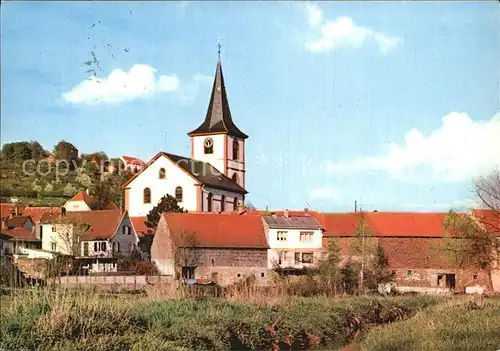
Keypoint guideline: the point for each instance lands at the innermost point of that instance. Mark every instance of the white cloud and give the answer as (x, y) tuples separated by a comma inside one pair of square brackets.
[(139, 82), (342, 32), (460, 149), (325, 193)]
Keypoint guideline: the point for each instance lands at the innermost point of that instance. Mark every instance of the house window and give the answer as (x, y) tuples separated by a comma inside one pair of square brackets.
[(53, 246), (281, 257), (222, 203), (307, 257), (393, 274), (409, 273), (235, 178), (53, 229), (474, 277), (103, 246), (306, 236), (178, 194), (235, 204), (209, 202), (96, 246), (126, 230), (162, 173), (281, 236), (85, 249), (262, 274), (147, 196), (297, 258), (236, 147), (208, 146), (187, 272)]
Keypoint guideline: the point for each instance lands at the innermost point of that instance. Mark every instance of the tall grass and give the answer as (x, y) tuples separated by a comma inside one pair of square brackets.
[(83, 320), (448, 326)]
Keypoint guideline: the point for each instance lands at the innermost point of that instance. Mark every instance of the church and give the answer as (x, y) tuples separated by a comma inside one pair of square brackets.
[(211, 180)]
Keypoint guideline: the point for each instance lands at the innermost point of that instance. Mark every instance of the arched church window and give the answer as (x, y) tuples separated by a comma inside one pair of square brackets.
[(222, 203), (235, 204), (208, 146), (147, 196), (236, 147), (162, 173), (178, 194), (235, 178), (209, 202)]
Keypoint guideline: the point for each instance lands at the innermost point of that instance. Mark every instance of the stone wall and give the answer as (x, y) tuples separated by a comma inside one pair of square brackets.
[(231, 257), (123, 281)]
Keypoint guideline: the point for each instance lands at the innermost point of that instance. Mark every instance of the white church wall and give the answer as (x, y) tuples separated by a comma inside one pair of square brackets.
[(149, 178)]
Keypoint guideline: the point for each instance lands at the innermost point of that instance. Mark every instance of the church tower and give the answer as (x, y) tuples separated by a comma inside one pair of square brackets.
[(217, 140)]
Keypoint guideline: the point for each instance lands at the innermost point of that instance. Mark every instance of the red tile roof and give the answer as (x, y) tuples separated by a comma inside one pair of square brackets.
[(133, 161), (7, 208), (140, 227), (36, 212), (21, 234), (216, 230), (18, 221), (385, 224), (488, 219), (103, 224)]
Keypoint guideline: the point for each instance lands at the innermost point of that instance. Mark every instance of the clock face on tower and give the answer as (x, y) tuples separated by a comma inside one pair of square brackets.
[(209, 142)]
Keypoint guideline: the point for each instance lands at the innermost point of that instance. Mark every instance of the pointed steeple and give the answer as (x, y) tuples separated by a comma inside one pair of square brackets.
[(218, 118)]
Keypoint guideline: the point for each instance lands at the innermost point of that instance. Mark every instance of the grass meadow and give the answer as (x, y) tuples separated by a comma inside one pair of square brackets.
[(45, 319)]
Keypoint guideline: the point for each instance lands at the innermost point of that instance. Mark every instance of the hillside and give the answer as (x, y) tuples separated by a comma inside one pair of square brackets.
[(32, 175)]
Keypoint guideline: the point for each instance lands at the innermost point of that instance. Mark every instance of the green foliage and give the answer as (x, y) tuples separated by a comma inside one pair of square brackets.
[(167, 203), (17, 151), (69, 190), (66, 151), (328, 268), (48, 188), (469, 245)]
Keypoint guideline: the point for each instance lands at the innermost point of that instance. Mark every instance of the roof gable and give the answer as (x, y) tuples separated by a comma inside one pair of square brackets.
[(201, 172)]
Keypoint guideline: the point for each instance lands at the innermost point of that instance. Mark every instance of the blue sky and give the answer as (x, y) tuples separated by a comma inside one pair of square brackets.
[(391, 104)]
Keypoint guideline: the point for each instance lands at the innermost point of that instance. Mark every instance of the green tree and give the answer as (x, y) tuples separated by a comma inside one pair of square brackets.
[(328, 268), (474, 241), (380, 266), (167, 203), (66, 151), (104, 192), (17, 151), (48, 188), (69, 190), (363, 248), (37, 151)]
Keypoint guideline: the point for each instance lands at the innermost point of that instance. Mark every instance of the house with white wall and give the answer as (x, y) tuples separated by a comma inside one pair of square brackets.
[(295, 241), (100, 237), (85, 202), (211, 180)]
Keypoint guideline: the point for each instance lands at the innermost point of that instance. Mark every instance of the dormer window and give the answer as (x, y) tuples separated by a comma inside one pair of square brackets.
[(162, 173), (236, 147), (208, 146)]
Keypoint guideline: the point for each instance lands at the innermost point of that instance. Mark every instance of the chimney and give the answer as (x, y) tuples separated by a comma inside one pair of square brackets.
[(285, 213)]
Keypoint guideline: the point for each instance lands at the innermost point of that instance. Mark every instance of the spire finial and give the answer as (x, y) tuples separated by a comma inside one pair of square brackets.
[(218, 48)]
